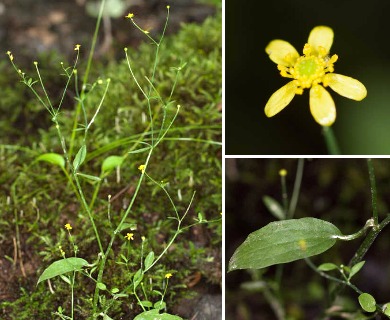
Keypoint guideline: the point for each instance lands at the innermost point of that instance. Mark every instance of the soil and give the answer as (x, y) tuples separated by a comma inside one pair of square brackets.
[(30, 27)]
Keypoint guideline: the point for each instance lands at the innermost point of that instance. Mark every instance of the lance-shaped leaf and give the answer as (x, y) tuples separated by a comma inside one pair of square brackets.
[(61, 267), (284, 241), (53, 158)]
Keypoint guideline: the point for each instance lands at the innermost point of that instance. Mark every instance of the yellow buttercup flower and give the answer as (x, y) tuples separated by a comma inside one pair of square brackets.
[(129, 236), (68, 226), (313, 70)]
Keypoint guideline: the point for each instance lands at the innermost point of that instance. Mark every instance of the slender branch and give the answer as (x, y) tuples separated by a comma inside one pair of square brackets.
[(373, 190), (297, 188)]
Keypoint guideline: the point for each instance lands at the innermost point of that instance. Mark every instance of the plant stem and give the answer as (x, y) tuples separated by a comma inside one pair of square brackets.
[(297, 188), (368, 241), (373, 190), (330, 140), (86, 75)]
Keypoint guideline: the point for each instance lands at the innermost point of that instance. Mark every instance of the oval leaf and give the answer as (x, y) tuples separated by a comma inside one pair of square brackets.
[(111, 162), (53, 158), (367, 302), (274, 207), (327, 267), (154, 314), (284, 241), (61, 267), (149, 260), (80, 157)]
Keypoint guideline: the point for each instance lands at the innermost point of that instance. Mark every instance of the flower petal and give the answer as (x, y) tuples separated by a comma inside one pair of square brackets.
[(321, 36), (322, 106), (346, 86), (282, 52), (280, 99)]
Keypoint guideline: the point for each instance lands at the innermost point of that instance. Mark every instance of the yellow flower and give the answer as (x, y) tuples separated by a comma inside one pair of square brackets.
[(142, 168), (68, 226), (129, 236), (77, 47), (311, 69), (283, 172), (168, 275), (130, 16)]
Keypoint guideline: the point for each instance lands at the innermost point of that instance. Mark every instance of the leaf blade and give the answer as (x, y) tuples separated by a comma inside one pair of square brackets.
[(61, 267), (284, 241)]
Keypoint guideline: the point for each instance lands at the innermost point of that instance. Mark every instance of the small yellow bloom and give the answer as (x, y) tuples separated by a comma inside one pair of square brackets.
[(308, 71), (168, 275), (68, 226), (142, 168), (77, 47), (130, 16), (283, 172), (129, 236)]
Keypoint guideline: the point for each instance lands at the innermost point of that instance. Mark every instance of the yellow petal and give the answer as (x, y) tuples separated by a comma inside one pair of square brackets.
[(280, 99), (321, 36), (346, 86), (322, 106), (282, 52)]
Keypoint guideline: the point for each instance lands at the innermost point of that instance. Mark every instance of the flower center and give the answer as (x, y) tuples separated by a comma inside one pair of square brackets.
[(309, 69)]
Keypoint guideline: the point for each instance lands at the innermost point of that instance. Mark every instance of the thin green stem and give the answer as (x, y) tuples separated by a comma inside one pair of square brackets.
[(371, 173), (368, 241), (86, 76), (330, 139), (370, 223), (296, 190), (284, 194), (116, 232)]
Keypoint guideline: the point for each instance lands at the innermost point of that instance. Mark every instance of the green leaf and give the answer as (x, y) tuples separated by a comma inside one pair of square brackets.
[(159, 305), (127, 225), (111, 162), (53, 158), (274, 207), (355, 269), (101, 286), (80, 157), (367, 302), (106, 317), (155, 315), (137, 278), (66, 279), (61, 267), (88, 177), (146, 304), (327, 267), (386, 308), (149, 260), (284, 241)]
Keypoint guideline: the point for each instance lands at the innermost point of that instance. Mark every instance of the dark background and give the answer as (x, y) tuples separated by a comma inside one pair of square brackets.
[(335, 190), (361, 41)]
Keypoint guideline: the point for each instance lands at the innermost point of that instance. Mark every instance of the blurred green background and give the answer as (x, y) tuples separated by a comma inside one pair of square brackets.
[(361, 42), (335, 190)]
